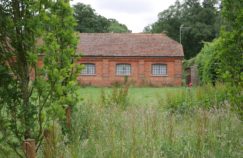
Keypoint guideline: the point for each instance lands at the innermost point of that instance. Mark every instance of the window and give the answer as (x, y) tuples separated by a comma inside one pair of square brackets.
[(89, 69), (159, 69), (123, 69)]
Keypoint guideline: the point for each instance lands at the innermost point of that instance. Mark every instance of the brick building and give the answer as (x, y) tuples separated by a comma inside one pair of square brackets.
[(146, 59)]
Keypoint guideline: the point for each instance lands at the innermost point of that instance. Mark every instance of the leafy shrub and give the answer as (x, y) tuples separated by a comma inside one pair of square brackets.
[(118, 97), (188, 99), (208, 62), (178, 102)]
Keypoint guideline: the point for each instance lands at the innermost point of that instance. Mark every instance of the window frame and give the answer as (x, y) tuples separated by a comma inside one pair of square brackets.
[(88, 74), (159, 64), (120, 64)]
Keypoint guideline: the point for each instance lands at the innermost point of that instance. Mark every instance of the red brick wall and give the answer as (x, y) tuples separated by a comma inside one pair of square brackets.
[(140, 73)]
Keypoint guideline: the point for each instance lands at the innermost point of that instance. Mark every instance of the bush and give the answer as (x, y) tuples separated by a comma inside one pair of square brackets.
[(118, 97), (208, 62), (188, 99)]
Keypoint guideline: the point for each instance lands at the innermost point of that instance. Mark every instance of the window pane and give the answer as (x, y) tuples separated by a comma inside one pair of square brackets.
[(123, 69), (159, 69), (89, 69)]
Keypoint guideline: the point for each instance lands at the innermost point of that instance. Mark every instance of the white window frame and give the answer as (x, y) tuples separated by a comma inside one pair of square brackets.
[(89, 69), (123, 69), (159, 69)]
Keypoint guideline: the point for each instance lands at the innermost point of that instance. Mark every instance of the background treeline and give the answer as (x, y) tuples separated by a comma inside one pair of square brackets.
[(90, 22), (198, 21)]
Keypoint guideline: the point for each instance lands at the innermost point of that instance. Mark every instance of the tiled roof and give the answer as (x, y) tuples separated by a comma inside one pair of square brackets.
[(128, 44)]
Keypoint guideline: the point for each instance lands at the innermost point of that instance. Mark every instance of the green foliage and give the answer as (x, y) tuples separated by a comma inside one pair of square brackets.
[(90, 22), (118, 97), (33, 96), (221, 60), (198, 22), (148, 131), (189, 99), (232, 52), (208, 62), (18, 34), (168, 21), (116, 27)]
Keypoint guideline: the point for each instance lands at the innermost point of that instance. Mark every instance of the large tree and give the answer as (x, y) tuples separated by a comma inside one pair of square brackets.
[(231, 54), (190, 22), (90, 22), (116, 27), (31, 94)]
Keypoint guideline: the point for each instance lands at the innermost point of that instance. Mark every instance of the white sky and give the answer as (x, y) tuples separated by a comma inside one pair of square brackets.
[(135, 14)]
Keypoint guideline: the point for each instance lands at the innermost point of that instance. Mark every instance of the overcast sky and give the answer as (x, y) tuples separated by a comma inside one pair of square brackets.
[(135, 14)]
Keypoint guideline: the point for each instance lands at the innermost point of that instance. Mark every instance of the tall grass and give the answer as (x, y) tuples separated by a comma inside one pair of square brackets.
[(185, 100), (150, 132), (209, 129), (118, 97)]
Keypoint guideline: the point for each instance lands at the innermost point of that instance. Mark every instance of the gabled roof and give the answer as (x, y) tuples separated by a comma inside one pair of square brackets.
[(128, 44)]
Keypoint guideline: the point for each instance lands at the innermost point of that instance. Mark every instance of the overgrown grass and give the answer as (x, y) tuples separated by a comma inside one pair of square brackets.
[(149, 122), (136, 96), (188, 99), (150, 132), (209, 129)]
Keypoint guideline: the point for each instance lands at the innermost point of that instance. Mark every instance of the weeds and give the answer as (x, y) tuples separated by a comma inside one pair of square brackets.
[(188, 99), (189, 126), (117, 98), (150, 132)]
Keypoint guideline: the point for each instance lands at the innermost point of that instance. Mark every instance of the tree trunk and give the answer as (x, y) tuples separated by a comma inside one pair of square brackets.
[(29, 148), (68, 116)]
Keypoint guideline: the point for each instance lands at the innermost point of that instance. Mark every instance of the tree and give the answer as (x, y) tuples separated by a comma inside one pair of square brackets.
[(34, 95), (90, 22), (147, 29), (116, 27), (228, 47), (232, 51), (208, 62), (204, 25), (200, 23), (221, 60), (169, 21)]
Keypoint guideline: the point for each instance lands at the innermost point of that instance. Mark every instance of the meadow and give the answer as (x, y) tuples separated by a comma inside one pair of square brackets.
[(136, 96), (150, 123)]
